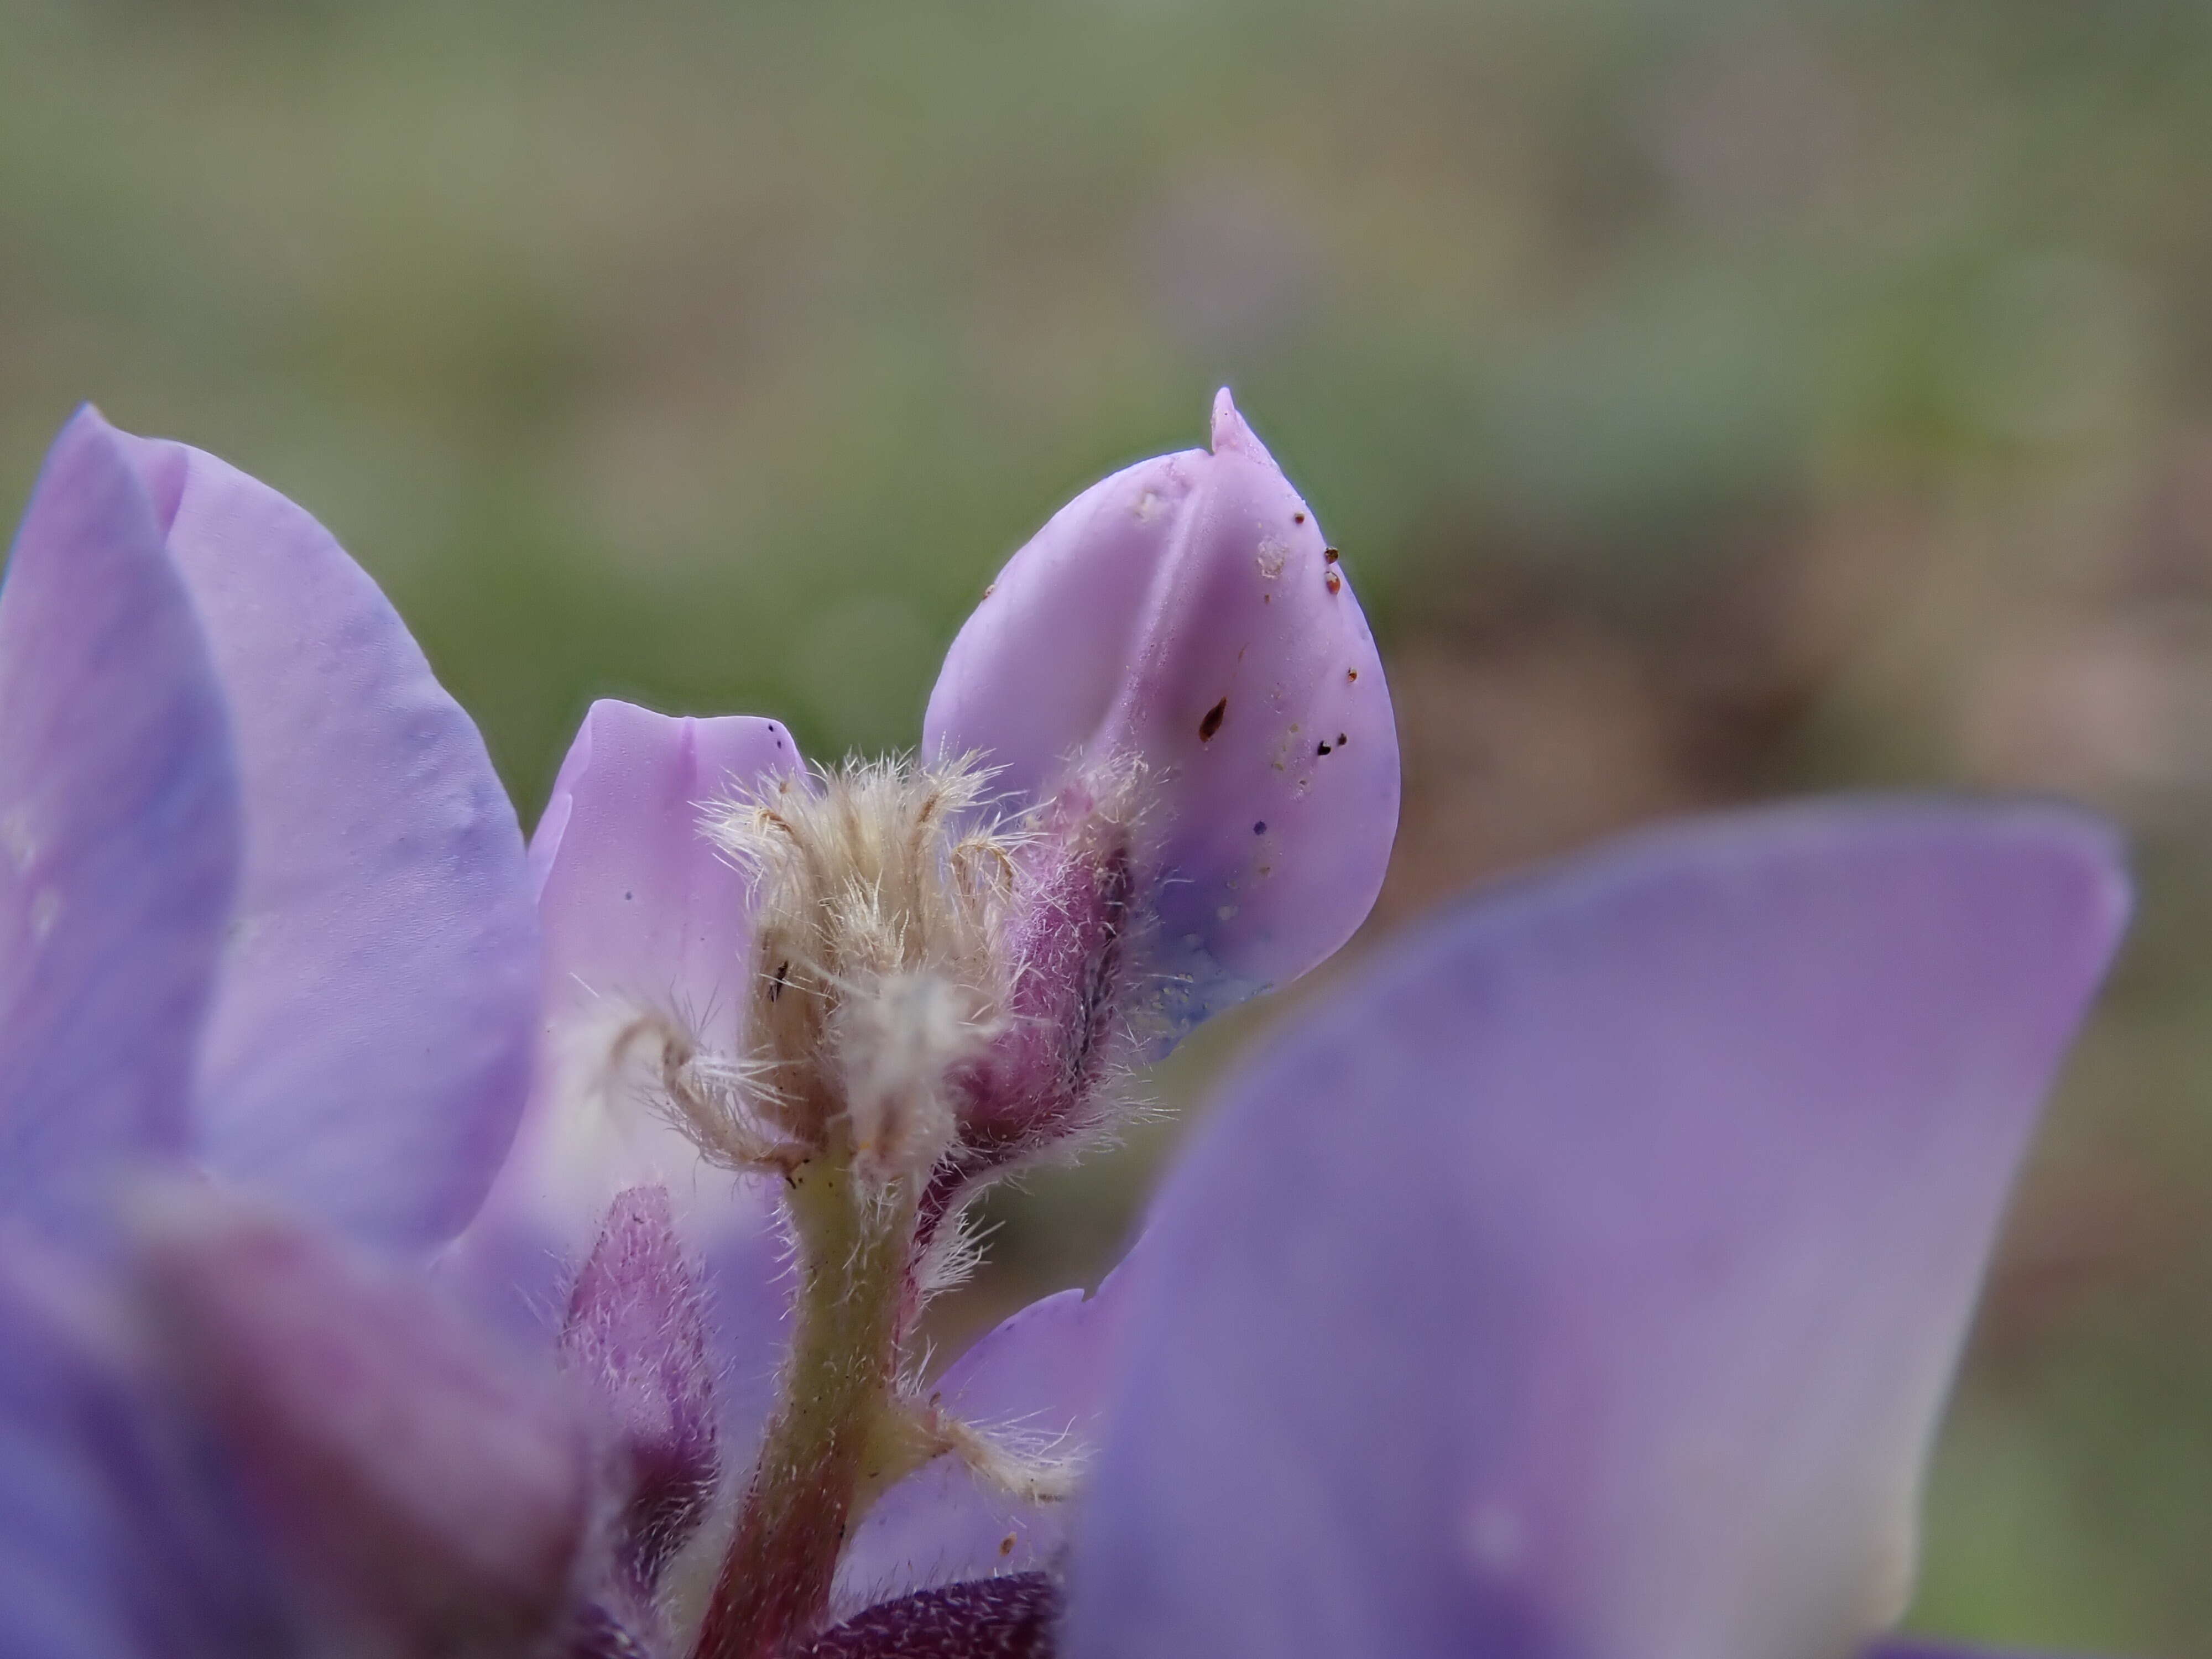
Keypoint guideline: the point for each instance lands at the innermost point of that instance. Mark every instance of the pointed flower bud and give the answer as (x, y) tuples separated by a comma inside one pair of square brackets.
[(1180, 648), (636, 1333)]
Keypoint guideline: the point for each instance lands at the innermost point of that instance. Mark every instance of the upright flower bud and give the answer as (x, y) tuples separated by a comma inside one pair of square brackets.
[(1179, 651), (635, 1332)]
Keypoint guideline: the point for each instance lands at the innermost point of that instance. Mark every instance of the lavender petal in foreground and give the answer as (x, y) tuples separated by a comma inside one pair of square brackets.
[(1586, 1278)]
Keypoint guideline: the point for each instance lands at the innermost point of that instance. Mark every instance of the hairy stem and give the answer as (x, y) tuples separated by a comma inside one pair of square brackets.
[(836, 1422)]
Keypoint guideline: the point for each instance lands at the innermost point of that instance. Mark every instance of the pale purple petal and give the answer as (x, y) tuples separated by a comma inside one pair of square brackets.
[(1040, 1378), (639, 912), (1586, 1277), (1188, 614), (370, 1044), (638, 906), (118, 1539), (118, 832)]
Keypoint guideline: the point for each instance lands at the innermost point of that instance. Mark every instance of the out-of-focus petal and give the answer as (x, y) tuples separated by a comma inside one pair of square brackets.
[(431, 1501), (1187, 614), (1040, 1379), (639, 912), (370, 1044), (1586, 1278), (118, 832), (118, 1539)]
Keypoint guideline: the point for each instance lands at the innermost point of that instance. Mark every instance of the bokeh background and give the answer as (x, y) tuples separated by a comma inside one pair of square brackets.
[(1714, 401)]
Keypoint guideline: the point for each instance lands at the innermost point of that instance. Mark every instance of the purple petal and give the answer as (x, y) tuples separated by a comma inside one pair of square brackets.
[(638, 905), (371, 1042), (1187, 614), (117, 1540), (1587, 1276), (640, 911), (119, 831), (1042, 1378), (433, 1502)]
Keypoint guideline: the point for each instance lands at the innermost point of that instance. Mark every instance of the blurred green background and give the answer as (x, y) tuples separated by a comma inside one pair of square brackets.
[(1713, 400)]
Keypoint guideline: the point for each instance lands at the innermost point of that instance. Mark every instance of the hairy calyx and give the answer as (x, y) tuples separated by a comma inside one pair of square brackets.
[(934, 1001)]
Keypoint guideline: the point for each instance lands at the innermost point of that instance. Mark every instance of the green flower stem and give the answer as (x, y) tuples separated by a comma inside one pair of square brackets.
[(838, 1437)]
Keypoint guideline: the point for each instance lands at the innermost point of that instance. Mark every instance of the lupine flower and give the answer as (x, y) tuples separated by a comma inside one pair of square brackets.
[(391, 1270)]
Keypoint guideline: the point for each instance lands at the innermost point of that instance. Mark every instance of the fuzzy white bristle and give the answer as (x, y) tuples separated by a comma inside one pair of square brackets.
[(878, 913)]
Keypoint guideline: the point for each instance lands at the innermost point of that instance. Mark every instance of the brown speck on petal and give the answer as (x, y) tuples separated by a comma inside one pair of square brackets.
[(1335, 582), (1351, 673), (1297, 518), (989, 588), (1330, 555), (1212, 723)]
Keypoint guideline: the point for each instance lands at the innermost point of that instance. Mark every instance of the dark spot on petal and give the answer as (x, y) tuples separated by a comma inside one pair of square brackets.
[(1261, 828), (1323, 747), (1351, 673), (1212, 723), (1341, 740), (1330, 555), (1335, 582), (629, 896), (1006, 1545), (1297, 518)]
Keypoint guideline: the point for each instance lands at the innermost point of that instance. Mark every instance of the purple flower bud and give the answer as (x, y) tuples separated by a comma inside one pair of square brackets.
[(437, 1503), (636, 1333), (1048, 1076), (1179, 651), (1010, 1617)]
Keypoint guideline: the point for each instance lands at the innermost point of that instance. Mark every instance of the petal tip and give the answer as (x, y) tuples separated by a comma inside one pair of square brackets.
[(2096, 849), (86, 417), (1230, 431), (86, 429)]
